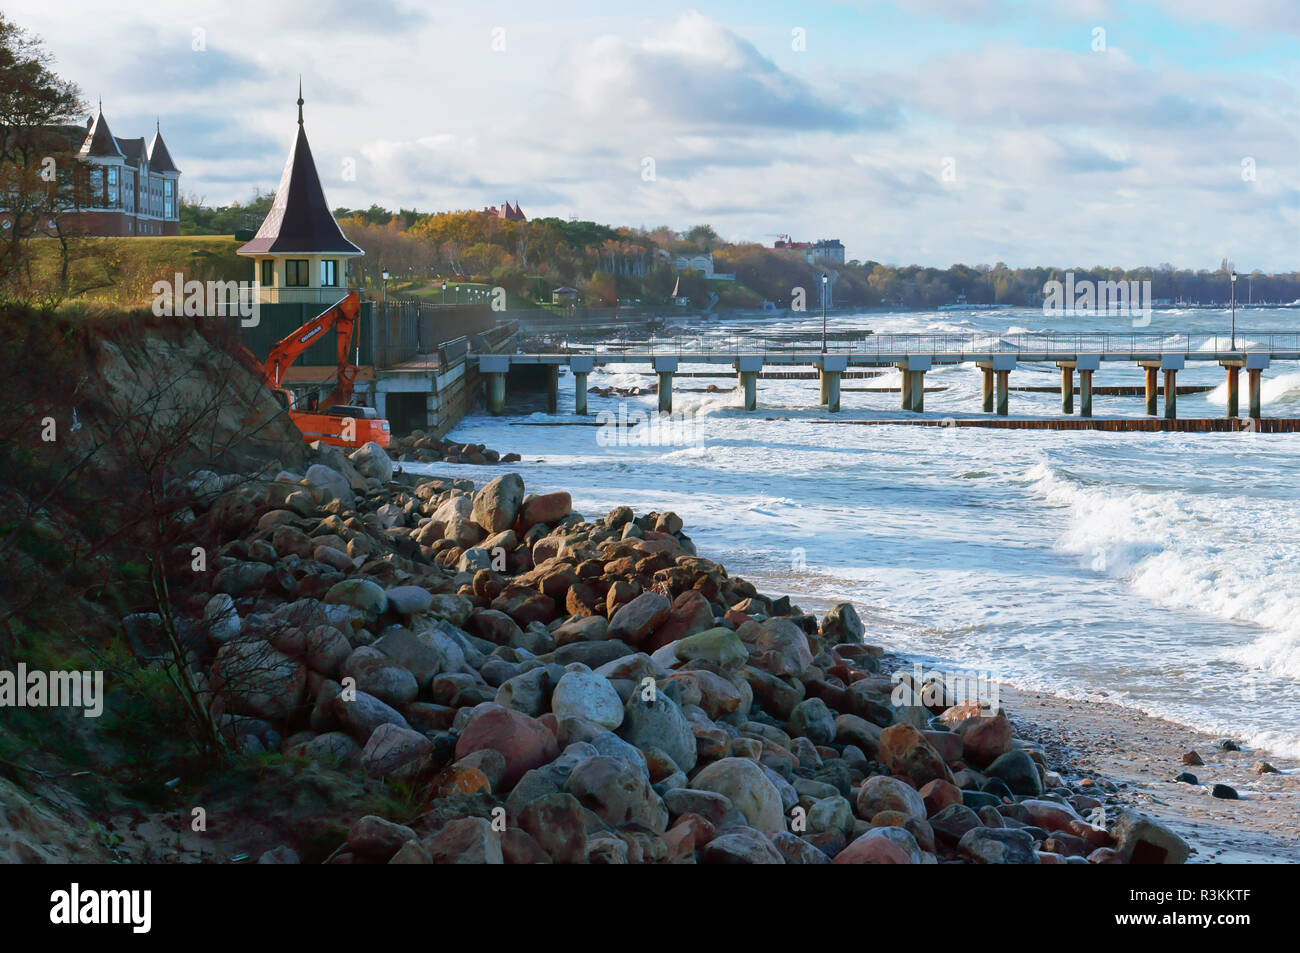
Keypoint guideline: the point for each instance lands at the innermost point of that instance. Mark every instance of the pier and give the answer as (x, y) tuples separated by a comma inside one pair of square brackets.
[(1161, 357)]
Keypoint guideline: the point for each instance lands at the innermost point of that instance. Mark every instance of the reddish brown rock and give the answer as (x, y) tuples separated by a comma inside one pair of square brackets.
[(939, 794), (525, 742), (690, 614), (909, 756), (636, 621), (549, 508)]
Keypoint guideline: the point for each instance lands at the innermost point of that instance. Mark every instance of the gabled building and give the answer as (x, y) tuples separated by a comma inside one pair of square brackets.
[(511, 213), (126, 187), (300, 253)]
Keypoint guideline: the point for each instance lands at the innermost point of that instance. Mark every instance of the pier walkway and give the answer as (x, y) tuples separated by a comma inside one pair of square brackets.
[(916, 354)]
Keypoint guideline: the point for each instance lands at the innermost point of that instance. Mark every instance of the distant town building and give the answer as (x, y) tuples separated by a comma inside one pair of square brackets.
[(300, 253), (827, 251), (564, 296), (511, 213), (701, 262), (126, 186)]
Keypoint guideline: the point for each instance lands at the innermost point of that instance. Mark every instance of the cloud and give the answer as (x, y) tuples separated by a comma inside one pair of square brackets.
[(697, 73)]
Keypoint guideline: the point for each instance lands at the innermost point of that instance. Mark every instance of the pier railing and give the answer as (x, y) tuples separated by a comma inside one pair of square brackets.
[(955, 345)]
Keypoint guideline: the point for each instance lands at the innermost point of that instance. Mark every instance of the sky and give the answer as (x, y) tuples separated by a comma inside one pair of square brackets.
[(1072, 133)]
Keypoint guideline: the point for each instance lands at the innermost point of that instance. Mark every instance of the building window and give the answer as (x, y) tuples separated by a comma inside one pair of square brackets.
[(329, 273), (296, 274), (168, 204), (268, 272)]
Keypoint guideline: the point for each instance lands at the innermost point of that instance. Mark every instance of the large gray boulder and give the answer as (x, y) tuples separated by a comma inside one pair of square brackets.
[(497, 505)]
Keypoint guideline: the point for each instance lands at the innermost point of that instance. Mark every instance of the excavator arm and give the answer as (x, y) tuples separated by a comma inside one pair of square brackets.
[(342, 317)]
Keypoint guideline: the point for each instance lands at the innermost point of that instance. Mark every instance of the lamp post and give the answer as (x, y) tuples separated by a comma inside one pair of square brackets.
[(825, 280), (1233, 285), (444, 292), (384, 275)]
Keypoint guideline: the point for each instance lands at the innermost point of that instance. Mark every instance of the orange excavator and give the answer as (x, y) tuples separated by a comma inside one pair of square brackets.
[(340, 422)]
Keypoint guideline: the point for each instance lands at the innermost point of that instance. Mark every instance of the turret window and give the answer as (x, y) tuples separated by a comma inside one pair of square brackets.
[(329, 273), (296, 274)]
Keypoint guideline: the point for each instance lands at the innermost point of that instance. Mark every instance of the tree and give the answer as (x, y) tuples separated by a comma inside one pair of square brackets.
[(40, 176)]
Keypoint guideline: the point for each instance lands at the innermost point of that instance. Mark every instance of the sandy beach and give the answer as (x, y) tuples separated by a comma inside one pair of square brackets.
[(1141, 755)]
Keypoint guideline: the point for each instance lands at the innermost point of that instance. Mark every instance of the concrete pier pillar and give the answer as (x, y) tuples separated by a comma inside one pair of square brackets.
[(580, 366), (1234, 389), (821, 384), (496, 394), (918, 391), (748, 368), (1085, 392), (1151, 388), (665, 367), (1256, 364), (552, 388), (1171, 364), (749, 390), (1004, 389), (1067, 388), (913, 370), (988, 389), (833, 391), (666, 392)]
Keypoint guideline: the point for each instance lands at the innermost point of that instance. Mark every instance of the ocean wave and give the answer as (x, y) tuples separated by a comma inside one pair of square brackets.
[(1188, 552)]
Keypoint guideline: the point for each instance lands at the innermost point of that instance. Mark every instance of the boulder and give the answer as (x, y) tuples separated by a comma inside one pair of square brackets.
[(881, 792), (1140, 839), (659, 723), (749, 789), (465, 840), (389, 747), (253, 678), (634, 622), (985, 845), (587, 695), (617, 793), (741, 845), (496, 506), (409, 600), (372, 462), (908, 755), (525, 742), (333, 482), (360, 594), (841, 624)]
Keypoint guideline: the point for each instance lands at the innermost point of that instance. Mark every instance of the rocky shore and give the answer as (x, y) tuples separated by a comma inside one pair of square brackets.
[(549, 687)]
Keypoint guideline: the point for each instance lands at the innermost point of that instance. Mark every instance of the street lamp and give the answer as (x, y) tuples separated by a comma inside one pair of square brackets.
[(1233, 285), (825, 280), (384, 275), (444, 292)]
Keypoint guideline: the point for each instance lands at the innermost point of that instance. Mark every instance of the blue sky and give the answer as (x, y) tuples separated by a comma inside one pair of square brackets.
[(1080, 132)]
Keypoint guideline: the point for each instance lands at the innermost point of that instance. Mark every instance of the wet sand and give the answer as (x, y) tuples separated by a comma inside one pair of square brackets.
[(1141, 755)]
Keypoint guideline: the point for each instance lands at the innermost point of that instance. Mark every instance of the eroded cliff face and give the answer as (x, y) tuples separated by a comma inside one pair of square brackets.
[(171, 390)]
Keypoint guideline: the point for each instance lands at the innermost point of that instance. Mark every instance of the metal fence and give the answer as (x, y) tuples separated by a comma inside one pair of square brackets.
[(952, 345)]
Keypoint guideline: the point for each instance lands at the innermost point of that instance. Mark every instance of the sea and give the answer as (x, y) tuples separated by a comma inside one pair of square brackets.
[(1159, 571)]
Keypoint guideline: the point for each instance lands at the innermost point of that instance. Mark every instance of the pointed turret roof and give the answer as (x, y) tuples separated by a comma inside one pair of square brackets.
[(160, 160), (300, 220), (99, 140)]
